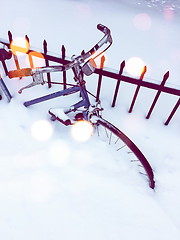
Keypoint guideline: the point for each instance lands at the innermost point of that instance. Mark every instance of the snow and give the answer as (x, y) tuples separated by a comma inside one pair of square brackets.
[(86, 194), (59, 112)]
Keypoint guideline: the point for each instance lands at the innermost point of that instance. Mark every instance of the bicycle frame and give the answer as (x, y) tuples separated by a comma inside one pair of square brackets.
[(78, 70), (83, 103), (81, 65)]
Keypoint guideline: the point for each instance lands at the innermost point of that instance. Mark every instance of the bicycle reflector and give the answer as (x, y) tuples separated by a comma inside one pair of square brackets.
[(89, 67)]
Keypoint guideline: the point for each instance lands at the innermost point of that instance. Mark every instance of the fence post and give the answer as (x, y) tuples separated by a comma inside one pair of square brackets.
[(118, 83), (5, 89), (30, 58), (27, 38), (5, 67), (63, 50), (14, 55), (100, 78), (137, 89), (46, 62), (173, 112), (158, 94)]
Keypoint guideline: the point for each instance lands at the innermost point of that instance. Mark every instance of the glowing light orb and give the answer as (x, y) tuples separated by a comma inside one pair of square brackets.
[(59, 153), (168, 13), (36, 59), (83, 10), (42, 130), (142, 21), (19, 46), (82, 131), (135, 66), (98, 59)]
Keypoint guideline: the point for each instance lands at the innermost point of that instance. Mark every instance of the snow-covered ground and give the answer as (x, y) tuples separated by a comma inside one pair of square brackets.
[(85, 193)]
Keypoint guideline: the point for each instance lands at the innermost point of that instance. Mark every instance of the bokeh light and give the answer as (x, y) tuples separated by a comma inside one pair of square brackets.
[(59, 153), (19, 46), (36, 59), (42, 130), (168, 12), (82, 130), (134, 66), (142, 21), (98, 59), (83, 10)]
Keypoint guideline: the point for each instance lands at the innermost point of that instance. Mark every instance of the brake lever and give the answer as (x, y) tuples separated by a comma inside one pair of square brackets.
[(37, 79)]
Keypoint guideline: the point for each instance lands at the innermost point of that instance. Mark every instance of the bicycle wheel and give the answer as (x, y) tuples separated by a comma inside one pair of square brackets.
[(124, 146)]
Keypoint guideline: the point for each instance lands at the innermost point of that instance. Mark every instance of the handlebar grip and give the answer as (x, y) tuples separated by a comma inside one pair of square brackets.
[(20, 73), (102, 28)]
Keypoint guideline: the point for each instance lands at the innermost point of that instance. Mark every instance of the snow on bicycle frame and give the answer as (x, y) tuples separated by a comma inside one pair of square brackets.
[(78, 64)]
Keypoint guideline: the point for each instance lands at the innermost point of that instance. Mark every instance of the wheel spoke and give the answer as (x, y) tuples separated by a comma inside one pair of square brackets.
[(106, 132), (121, 147), (129, 152), (143, 174), (117, 140), (110, 138), (115, 137)]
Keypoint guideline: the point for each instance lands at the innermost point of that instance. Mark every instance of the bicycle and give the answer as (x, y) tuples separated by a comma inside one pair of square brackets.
[(84, 110)]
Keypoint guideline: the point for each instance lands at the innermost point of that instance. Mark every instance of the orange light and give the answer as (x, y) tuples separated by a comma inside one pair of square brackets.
[(19, 46), (82, 130), (135, 66), (98, 59), (38, 60)]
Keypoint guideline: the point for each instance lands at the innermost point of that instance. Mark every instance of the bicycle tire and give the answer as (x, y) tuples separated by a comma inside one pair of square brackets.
[(129, 145)]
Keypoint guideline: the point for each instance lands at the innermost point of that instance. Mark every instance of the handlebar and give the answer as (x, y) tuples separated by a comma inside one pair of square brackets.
[(107, 38), (101, 28), (76, 61)]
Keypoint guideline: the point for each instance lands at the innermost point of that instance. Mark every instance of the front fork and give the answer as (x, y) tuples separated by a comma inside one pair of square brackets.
[(83, 103)]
